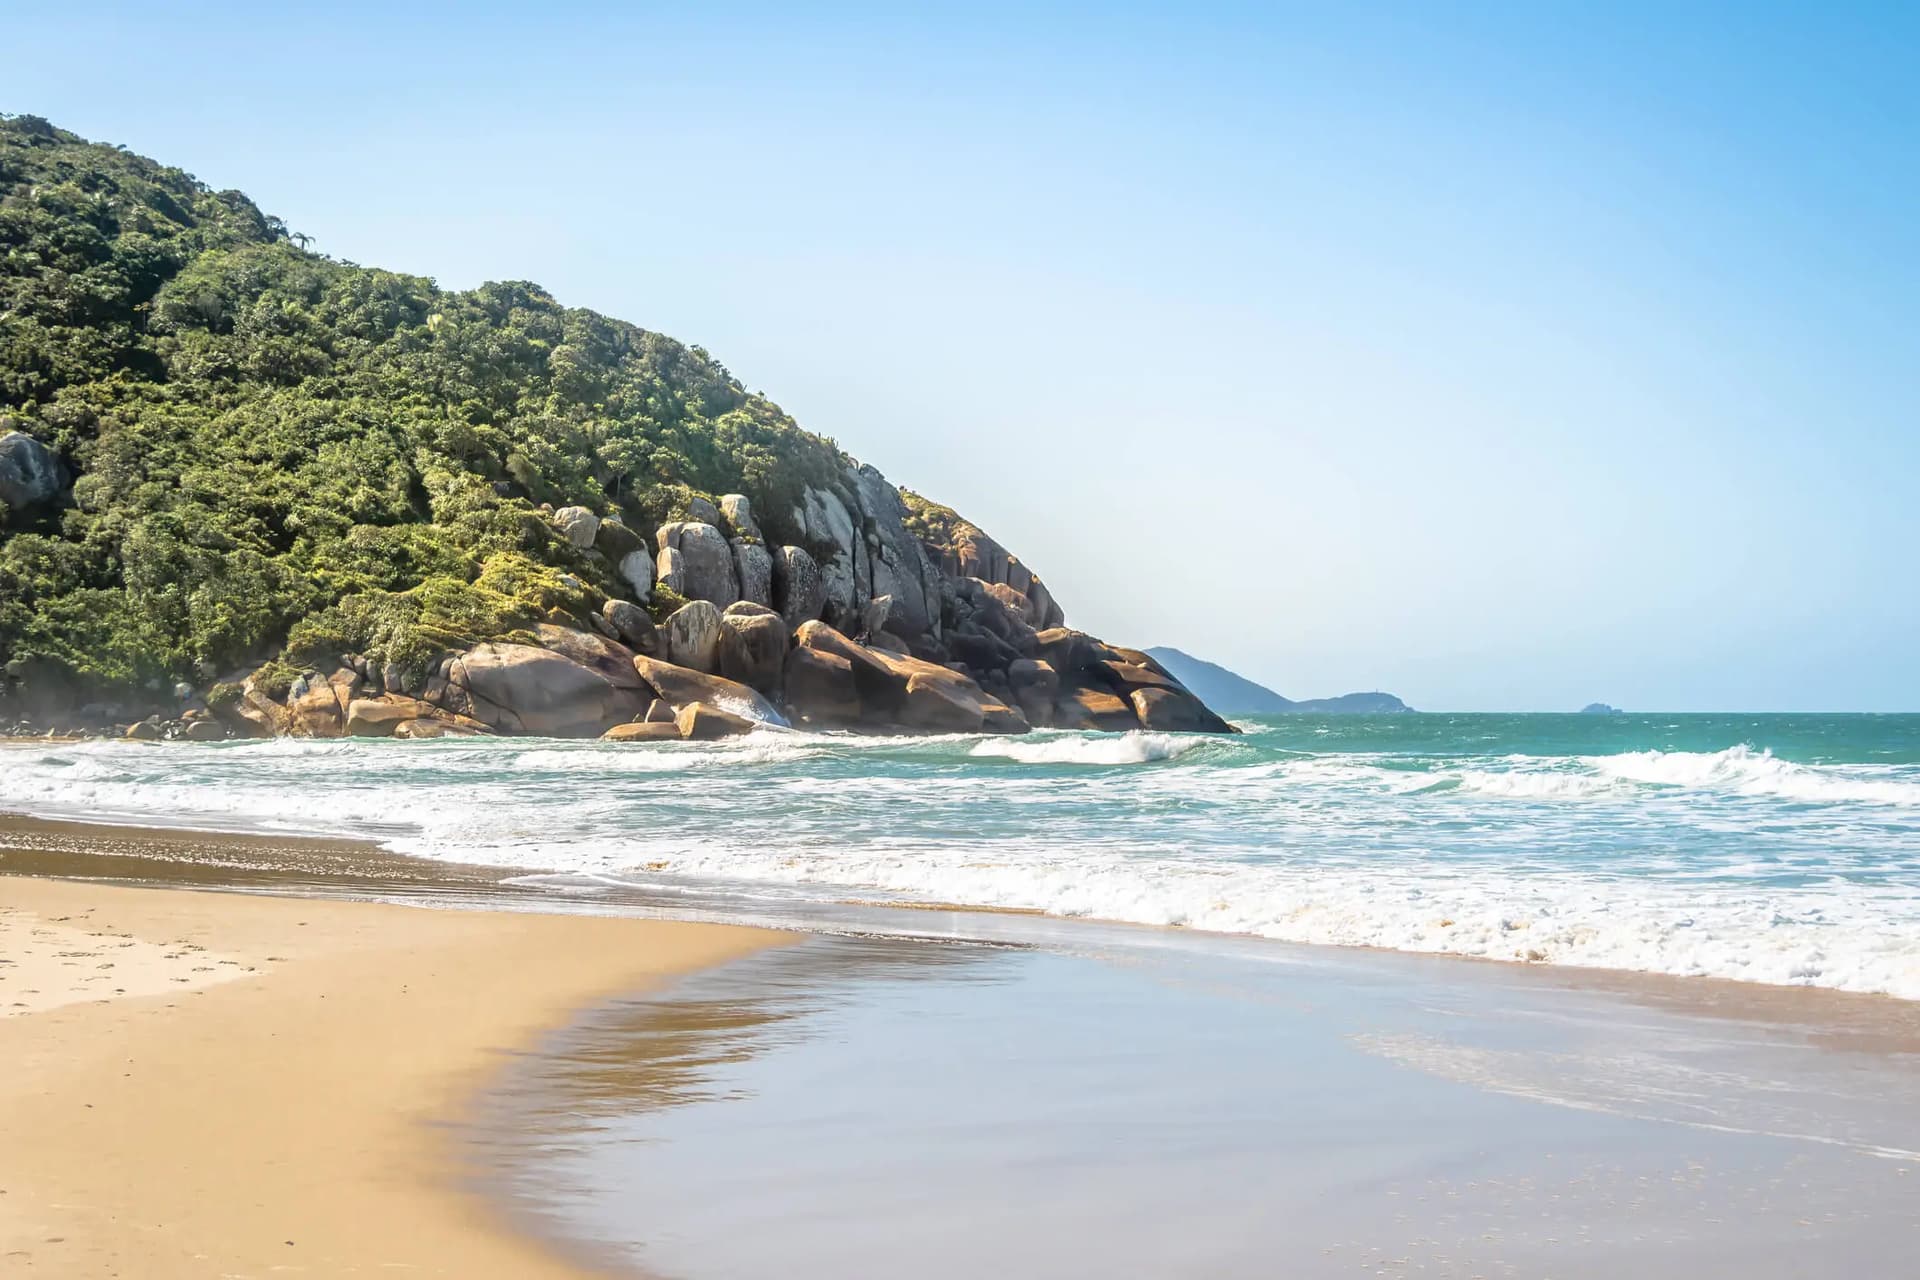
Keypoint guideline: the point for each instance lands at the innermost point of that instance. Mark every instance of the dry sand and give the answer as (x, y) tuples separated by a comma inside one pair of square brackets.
[(218, 1084)]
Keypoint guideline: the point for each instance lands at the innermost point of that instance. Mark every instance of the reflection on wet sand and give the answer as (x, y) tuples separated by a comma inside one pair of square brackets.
[(875, 1106), (648, 1053)]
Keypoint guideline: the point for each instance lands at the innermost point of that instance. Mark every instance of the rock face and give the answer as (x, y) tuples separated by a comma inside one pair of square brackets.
[(31, 474), (799, 593), (753, 571), (830, 529), (900, 567), (704, 562)]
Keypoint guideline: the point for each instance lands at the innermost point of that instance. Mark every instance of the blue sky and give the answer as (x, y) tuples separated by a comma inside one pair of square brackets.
[(1501, 356)]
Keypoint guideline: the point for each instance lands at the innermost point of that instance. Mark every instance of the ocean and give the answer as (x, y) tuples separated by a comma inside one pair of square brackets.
[(1765, 848)]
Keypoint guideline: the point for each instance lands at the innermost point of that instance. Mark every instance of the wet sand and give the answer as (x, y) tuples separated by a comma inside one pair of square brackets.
[(875, 1106), (204, 1084)]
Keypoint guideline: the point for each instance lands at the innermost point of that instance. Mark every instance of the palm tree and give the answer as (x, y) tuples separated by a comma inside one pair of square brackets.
[(300, 238)]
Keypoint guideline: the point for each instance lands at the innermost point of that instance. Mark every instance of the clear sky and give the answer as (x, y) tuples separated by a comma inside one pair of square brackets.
[(1500, 356)]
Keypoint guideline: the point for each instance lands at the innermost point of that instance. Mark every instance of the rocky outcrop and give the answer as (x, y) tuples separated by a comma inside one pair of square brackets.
[(31, 475), (870, 626)]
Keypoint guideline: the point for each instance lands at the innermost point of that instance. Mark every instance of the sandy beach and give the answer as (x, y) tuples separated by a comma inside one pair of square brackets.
[(204, 1084)]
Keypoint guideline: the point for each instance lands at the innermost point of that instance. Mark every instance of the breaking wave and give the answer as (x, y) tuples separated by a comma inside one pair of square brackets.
[(1648, 846)]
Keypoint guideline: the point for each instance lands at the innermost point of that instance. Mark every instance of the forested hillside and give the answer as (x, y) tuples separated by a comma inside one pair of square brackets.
[(248, 489), (261, 432)]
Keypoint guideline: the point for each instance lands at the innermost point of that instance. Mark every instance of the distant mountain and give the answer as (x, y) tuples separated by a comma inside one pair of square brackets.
[(1600, 709), (1233, 694)]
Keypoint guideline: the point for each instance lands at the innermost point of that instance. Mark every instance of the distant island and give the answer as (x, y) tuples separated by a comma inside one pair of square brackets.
[(1600, 709), (1232, 694)]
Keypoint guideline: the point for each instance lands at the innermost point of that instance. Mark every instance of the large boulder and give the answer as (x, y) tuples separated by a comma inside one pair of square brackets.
[(1035, 685), (1084, 708), (384, 715), (1175, 710), (799, 593), (698, 722), (705, 561), (820, 689), (737, 510), (316, 705), (608, 657), (643, 731), (1124, 677), (693, 636), (702, 511), (753, 571), (31, 474), (632, 625), (672, 568), (753, 647), (680, 687), (517, 688), (615, 541), (637, 568), (899, 691), (577, 525)]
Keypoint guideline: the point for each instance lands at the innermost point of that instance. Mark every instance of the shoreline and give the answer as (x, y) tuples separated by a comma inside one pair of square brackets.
[(263, 1083), (335, 860)]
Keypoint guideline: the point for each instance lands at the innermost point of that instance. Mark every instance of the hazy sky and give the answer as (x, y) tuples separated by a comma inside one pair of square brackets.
[(1500, 356)]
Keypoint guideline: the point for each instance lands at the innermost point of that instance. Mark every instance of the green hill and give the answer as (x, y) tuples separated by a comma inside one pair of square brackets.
[(223, 454)]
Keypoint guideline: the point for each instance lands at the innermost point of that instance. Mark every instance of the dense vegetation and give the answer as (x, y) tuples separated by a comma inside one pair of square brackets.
[(271, 445)]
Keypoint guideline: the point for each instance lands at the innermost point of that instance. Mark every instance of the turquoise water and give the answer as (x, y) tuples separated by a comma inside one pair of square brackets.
[(1769, 848)]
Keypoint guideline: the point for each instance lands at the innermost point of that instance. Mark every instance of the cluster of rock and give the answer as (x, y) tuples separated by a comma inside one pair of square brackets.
[(863, 627)]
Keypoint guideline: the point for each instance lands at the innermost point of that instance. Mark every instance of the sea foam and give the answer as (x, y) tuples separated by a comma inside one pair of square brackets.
[(1734, 862)]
